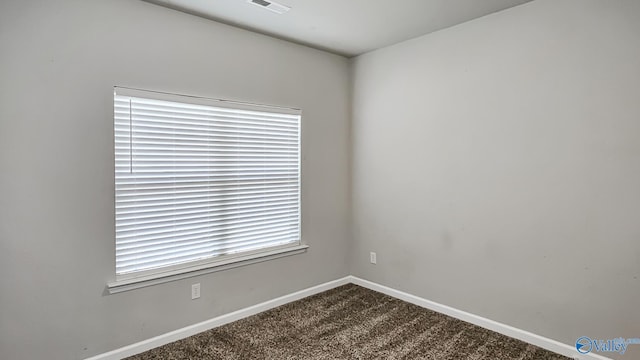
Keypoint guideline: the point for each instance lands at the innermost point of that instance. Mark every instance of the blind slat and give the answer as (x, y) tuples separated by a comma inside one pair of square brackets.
[(190, 256), (224, 225), (124, 223)]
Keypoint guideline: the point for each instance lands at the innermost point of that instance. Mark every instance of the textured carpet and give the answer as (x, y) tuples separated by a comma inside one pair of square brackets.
[(349, 322)]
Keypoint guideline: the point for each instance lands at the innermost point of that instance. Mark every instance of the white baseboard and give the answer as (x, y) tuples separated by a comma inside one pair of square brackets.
[(185, 332), (537, 340), (543, 342)]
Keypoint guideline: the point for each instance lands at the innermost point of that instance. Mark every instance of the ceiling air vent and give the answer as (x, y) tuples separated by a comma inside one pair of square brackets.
[(271, 5)]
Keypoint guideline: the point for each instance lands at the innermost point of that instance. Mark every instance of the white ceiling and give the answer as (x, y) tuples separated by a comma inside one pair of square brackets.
[(345, 27)]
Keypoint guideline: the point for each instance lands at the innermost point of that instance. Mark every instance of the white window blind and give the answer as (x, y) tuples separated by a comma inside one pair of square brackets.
[(198, 180)]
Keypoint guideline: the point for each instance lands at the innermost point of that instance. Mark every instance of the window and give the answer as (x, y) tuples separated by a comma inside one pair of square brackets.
[(202, 182)]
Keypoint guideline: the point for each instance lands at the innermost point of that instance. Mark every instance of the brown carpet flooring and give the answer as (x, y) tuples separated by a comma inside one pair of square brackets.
[(349, 322)]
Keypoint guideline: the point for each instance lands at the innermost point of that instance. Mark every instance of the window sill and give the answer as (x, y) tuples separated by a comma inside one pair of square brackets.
[(149, 280)]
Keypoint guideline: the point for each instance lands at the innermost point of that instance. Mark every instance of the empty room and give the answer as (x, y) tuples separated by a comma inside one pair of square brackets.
[(319, 179)]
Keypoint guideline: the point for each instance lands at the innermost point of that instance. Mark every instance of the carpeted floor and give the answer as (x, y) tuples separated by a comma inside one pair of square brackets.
[(349, 322)]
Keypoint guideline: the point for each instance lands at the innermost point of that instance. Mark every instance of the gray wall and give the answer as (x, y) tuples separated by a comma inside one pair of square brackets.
[(58, 63), (496, 167)]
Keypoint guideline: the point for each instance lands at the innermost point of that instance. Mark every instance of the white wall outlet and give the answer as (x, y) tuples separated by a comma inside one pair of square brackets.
[(373, 258), (195, 291)]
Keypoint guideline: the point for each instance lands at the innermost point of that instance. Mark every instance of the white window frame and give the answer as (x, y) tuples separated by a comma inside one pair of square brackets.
[(128, 281)]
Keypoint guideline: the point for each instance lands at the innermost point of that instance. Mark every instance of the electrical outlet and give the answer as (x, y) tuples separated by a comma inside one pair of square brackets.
[(195, 291), (373, 258)]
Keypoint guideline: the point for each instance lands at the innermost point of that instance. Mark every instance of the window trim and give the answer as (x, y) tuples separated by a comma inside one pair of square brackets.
[(230, 262), (169, 273)]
